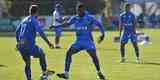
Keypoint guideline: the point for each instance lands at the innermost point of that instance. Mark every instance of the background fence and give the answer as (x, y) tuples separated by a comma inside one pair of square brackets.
[(147, 11)]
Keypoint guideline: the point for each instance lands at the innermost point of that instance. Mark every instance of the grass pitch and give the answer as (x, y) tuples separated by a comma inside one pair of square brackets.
[(11, 64)]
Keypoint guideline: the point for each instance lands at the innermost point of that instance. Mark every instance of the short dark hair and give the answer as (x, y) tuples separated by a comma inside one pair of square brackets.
[(33, 9), (127, 5), (81, 6)]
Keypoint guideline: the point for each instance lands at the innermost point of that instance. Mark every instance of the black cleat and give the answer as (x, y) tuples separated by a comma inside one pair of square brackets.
[(101, 76), (57, 46), (63, 75)]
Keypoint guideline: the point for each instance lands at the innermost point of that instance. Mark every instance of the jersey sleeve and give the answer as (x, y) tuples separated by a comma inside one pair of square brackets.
[(72, 20), (134, 21), (57, 16), (40, 31), (99, 25), (17, 33)]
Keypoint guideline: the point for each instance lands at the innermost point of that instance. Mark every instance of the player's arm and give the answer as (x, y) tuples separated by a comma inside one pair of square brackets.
[(17, 33), (120, 26), (52, 19), (66, 23), (102, 30), (135, 24), (57, 18), (60, 20), (42, 34)]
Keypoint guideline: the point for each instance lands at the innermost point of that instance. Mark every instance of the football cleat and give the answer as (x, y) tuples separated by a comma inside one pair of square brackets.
[(63, 75), (101, 76)]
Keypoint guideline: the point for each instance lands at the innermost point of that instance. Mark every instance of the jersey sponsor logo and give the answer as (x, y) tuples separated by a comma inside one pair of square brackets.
[(128, 24), (82, 28)]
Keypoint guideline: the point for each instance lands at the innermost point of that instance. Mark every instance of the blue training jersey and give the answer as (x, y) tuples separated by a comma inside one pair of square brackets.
[(127, 20), (26, 31), (84, 26)]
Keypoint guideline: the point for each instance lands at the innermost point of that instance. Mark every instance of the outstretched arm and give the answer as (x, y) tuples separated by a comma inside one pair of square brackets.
[(66, 23), (102, 30), (120, 27), (42, 34), (135, 24), (17, 33)]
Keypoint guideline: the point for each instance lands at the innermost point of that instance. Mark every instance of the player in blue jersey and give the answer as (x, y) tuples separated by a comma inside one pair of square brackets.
[(26, 44), (128, 31), (83, 25), (57, 21)]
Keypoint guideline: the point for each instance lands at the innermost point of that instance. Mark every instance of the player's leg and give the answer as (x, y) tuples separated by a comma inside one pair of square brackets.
[(26, 57), (38, 53), (136, 52), (123, 41), (93, 55), (57, 37), (68, 61), (136, 48), (122, 51)]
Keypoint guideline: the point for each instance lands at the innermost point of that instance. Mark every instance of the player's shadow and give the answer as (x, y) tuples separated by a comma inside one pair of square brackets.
[(108, 49), (144, 63), (151, 63), (147, 63), (1, 65), (65, 48)]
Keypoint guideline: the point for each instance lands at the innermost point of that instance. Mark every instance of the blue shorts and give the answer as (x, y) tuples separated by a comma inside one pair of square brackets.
[(58, 31), (126, 36), (33, 50), (85, 45)]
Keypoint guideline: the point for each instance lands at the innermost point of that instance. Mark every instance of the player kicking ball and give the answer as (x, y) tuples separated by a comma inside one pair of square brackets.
[(26, 44), (83, 25), (128, 31)]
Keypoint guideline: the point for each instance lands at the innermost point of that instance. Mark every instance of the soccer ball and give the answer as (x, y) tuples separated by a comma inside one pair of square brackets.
[(43, 77)]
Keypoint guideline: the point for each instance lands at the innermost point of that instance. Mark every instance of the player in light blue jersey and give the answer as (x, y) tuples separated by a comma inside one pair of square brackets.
[(128, 31), (57, 21), (83, 25), (26, 44)]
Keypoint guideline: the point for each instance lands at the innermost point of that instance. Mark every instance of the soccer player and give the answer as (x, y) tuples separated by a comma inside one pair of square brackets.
[(83, 25), (128, 31), (57, 21), (26, 44)]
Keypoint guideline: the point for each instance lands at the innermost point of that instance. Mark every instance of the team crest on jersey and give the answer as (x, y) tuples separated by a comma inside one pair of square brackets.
[(88, 23), (129, 17)]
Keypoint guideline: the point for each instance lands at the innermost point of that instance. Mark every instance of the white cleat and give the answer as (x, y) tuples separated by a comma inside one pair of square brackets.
[(138, 61), (123, 60), (47, 75)]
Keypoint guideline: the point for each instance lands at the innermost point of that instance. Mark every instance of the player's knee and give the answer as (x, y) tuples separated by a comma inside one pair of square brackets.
[(136, 48), (41, 53), (135, 44), (70, 52), (92, 53), (122, 45)]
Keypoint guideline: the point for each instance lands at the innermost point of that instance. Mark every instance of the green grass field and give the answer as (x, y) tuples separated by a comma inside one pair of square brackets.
[(11, 64)]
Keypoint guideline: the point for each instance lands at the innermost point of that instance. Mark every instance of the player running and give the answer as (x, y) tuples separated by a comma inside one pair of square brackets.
[(128, 31), (26, 44), (83, 25), (57, 21)]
